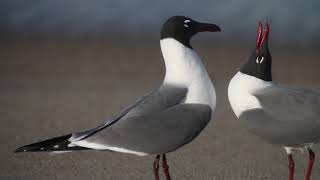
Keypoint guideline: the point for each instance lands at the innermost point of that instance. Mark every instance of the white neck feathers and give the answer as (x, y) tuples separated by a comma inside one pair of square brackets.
[(182, 63), (184, 68), (240, 92)]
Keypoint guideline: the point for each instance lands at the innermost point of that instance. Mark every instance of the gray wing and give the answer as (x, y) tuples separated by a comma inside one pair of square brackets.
[(156, 133), (290, 103), (157, 123), (162, 98), (289, 116)]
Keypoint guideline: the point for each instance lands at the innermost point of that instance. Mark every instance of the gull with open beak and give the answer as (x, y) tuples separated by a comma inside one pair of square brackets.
[(282, 115)]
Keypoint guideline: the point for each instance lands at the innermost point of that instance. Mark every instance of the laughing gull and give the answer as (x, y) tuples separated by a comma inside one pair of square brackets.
[(282, 115), (163, 120)]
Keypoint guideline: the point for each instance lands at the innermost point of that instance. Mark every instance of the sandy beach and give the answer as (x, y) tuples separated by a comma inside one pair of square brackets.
[(53, 87)]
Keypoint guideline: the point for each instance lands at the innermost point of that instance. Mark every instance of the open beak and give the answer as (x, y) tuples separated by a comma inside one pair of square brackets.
[(265, 37), (203, 27)]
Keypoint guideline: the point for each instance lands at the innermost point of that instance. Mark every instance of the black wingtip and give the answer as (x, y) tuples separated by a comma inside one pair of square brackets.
[(28, 148), (60, 143), (19, 150), (47, 145)]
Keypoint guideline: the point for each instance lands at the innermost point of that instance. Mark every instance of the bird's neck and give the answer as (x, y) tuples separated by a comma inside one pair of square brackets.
[(241, 89), (182, 63)]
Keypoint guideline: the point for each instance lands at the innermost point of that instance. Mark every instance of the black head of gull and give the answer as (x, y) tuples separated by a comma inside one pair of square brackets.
[(259, 63), (182, 28)]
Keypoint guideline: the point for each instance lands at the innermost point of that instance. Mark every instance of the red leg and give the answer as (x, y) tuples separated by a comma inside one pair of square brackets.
[(165, 167), (291, 167), (311, 161), (156, 167)]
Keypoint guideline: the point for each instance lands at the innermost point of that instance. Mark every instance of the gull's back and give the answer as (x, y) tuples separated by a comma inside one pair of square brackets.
[(288, 116)]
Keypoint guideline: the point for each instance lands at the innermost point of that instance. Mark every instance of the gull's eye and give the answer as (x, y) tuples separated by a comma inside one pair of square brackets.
[(259, 60), (186, 23)]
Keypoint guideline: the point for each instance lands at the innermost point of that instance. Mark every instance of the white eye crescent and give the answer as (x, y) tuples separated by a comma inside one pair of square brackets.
[(186, 23), (259, 61)]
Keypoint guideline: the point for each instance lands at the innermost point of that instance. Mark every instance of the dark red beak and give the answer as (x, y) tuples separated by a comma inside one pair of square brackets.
[(203, 27), (260, 40)]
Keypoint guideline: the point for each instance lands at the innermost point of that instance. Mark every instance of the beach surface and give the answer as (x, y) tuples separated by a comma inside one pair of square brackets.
[(53, 87)]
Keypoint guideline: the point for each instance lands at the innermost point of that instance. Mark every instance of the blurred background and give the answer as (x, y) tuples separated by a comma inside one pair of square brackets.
[(70, 65), (292, 21)]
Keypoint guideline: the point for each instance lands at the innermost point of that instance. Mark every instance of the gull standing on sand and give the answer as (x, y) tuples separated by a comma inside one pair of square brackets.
[(162, 121), (282, 115)]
